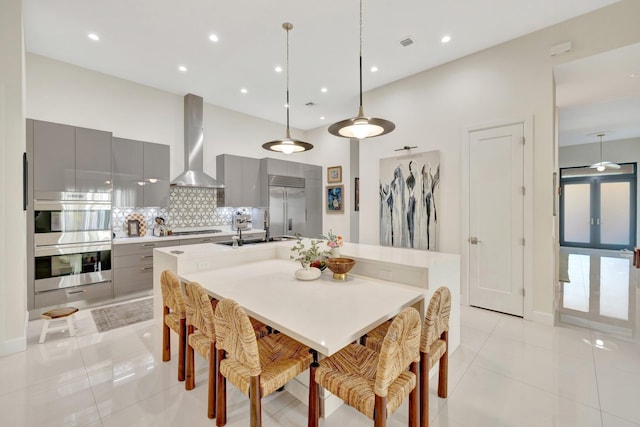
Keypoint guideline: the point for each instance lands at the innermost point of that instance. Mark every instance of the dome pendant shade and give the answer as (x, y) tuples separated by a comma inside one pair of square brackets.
[(287, 145), (360, 126)]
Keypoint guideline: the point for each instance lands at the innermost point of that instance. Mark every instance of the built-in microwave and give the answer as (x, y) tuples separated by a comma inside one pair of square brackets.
[(67, 266), (63, 221)]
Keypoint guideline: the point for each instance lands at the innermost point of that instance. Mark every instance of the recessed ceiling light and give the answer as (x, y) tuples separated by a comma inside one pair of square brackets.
[(286, 105), (93, 36), (182, 68), (445, 39), (634, 75), (213, 37), (321, 117), (243, 90), (278, 69), (323, 90), (374, 69)]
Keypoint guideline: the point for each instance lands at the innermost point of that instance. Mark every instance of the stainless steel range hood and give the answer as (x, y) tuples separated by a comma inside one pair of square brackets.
[(193, 175)]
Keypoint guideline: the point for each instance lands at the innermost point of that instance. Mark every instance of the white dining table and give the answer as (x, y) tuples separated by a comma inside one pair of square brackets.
[(324, 314)]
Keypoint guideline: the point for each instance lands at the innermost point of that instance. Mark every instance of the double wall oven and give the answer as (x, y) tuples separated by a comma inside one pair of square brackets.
[(71, 248)]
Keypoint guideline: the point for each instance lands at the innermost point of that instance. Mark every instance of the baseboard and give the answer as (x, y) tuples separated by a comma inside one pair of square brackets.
[(13, 346), (544, 318)]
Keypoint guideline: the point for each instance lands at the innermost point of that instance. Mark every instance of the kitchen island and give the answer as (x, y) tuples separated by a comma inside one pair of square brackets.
[(324, 314)]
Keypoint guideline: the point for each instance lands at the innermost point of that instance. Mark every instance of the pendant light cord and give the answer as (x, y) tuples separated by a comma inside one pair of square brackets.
[(600, 148), (360, 54), (287, 27)]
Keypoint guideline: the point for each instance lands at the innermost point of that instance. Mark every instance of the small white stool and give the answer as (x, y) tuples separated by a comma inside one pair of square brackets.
[(58, 314)]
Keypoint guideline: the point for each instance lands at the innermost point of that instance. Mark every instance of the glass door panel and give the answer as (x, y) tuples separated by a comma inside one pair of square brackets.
[(615, 213), (577, 213)]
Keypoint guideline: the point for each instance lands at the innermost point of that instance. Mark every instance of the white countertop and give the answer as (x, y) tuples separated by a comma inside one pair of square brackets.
[(324, 314)]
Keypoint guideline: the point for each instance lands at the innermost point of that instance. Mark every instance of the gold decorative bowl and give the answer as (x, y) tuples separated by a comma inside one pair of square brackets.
[(340, 267)]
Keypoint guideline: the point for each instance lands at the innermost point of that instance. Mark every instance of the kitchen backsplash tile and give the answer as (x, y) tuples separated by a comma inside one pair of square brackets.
[(188, 207)]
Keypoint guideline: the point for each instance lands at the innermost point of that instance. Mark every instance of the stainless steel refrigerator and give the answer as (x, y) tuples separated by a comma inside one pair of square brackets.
[(287, 211), (288, 208)]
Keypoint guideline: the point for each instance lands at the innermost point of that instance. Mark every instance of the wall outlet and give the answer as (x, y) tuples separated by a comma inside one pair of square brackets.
[(203, 265)]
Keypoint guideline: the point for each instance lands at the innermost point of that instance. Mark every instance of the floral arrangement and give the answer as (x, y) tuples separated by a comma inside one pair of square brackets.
[(306, 255), (333, 240)]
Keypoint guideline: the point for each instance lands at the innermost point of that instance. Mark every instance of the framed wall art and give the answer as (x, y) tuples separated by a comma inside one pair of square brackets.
[(335, 198), (334, 174), (356, 202), (410, 201)]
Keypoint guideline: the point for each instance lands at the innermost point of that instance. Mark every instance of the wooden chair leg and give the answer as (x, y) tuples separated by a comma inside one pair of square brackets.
[(380, 412), (413, 398), (424, 389), (182, 349), (211, 407), (221, 397), (314, 396), (255, 400), (190, 382), (443, 373), (166, 339)]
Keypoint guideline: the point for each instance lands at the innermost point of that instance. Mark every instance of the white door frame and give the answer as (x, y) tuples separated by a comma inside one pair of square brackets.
[(528, 210)]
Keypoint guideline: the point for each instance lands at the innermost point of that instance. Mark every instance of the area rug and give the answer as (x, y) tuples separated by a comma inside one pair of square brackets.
[(123, 314)]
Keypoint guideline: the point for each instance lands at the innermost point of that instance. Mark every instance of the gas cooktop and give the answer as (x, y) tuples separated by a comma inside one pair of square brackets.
[(186, 233)]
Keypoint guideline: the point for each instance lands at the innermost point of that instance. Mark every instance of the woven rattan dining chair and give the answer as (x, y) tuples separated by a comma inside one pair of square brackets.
[(434, 344), (257, 367), (376, 383), (201, 337), (174, 319)]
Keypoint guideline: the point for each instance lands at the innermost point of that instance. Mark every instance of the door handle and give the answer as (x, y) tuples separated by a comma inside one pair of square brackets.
[(474, 240)]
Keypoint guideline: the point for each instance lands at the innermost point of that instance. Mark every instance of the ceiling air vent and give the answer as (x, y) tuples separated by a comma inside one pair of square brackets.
[(406, 42)]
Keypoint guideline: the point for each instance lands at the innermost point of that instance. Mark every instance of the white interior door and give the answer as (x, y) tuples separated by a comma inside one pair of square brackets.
[(496, 223)]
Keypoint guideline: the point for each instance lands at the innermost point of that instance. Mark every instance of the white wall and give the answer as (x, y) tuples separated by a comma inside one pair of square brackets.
[(510, 81), (619, 151), (13, 244), (64, 93)]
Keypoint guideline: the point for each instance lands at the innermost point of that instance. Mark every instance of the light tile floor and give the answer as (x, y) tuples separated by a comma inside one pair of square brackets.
[(506, 372)]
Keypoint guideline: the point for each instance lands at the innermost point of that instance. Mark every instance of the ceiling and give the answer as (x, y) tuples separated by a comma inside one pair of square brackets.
[(146, 40), (597, 94)]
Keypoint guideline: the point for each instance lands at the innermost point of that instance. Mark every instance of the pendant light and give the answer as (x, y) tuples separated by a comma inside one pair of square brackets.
[(287, 145), (602, 166), (360, 126)]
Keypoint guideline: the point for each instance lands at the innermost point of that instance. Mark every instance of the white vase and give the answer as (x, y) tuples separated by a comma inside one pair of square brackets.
[(335, 252), (307, 273)]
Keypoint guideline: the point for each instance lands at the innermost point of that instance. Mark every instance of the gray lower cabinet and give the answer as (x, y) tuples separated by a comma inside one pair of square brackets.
[(68, 158), (140, 173), (88, 295), (133, 266)]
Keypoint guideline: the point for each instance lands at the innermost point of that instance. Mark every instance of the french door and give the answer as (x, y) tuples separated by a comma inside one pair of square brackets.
[(598, 210)]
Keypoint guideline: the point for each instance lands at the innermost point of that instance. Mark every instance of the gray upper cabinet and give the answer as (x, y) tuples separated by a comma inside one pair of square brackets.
[(140, 173), (241, 179), (156, 174), (54, 158), (67, 158), (126, 171), (93, 160)]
